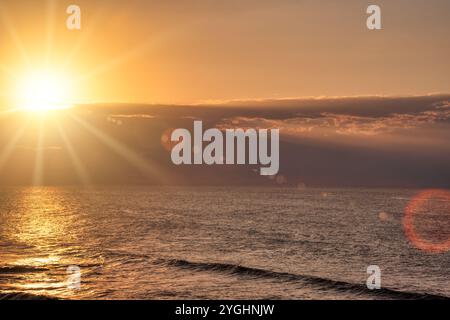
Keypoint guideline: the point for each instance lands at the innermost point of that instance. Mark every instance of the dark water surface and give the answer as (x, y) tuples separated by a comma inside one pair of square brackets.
[(216, 243)]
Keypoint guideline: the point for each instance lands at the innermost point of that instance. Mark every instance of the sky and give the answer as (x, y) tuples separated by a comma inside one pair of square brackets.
[(354, 107), (180, 52)]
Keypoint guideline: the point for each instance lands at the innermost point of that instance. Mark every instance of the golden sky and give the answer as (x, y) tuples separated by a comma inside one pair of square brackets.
[(193, 51)]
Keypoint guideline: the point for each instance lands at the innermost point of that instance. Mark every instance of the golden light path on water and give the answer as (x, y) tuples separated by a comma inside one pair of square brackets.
[(45, 229)]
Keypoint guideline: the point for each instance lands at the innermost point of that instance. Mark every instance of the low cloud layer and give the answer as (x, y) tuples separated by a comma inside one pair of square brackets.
[(359, 141), (346, 124)]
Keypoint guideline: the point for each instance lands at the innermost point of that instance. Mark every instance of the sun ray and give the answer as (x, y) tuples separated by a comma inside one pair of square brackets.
[(83, 38), (9, 111), (50, 28), (4, 69), (76, 161), (94, 21), (13, 34), (145, 47), (76, 48), (39, 162), (144, 165), (6, 94), (8, 149)]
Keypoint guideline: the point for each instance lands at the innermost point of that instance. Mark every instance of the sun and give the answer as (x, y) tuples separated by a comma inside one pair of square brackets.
[(43, 90)]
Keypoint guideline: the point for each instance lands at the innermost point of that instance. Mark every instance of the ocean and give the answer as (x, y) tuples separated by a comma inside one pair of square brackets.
[(215, 243)]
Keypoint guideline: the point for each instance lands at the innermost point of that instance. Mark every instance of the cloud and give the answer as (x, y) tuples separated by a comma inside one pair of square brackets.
[(131, 116), (348, 122), (359, 141), (443, 105)]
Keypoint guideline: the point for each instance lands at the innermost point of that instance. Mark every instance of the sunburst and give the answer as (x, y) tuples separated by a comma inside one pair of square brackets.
[(43, 90)]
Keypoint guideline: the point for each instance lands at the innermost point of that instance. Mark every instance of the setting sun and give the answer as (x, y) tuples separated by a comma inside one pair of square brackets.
[(43, 90)]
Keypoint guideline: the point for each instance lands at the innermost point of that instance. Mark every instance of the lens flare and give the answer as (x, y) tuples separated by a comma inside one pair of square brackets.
[(433, 208)]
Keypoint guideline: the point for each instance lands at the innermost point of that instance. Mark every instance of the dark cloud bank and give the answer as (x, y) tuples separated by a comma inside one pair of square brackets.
[(339, 142)]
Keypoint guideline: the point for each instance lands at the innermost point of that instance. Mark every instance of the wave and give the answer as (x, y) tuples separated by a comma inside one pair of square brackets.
[(20, 269), (24, 296), (342, 286)]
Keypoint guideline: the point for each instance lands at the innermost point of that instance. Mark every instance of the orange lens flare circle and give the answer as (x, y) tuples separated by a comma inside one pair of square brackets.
[(166, 140), (420, 203)]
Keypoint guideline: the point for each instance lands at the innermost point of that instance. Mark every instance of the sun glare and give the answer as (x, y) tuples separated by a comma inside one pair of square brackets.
[(43, 91)]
